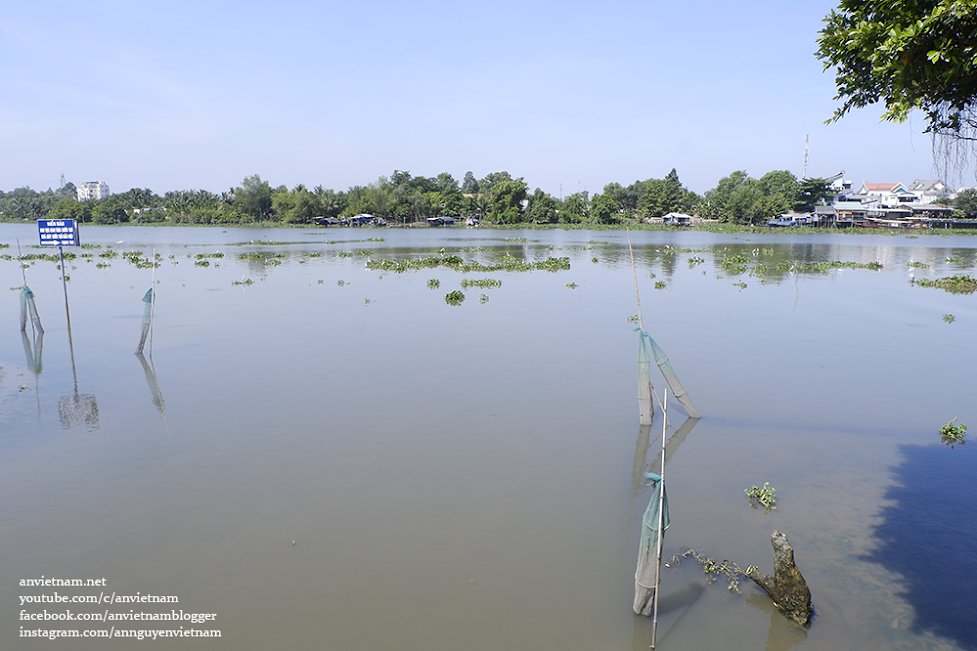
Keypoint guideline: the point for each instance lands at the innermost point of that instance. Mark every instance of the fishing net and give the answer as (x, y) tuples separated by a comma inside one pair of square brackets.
[(33, 350), (646, 576), (27, 306), (666, 368), (646, 408), (147, 318)]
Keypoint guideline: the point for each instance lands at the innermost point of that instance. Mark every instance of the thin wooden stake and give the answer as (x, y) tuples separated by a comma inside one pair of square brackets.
[(635, 274)]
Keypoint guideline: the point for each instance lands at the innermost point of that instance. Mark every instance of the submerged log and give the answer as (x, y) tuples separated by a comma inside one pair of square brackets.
[(786, 587)]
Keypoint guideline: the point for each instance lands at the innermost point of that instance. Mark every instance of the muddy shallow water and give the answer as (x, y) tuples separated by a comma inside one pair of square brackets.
[(329, 456)]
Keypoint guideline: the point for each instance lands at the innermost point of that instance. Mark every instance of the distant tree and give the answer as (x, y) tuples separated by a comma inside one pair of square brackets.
[(780, 182), (70, 208), (575, 209), (490, 179), (110, 210), (542, 208), (506, 199), (966, 202), (811, 193), (68, 190), (625, 198), (254, 198), (470, 184), (603, 209), (662, 196)]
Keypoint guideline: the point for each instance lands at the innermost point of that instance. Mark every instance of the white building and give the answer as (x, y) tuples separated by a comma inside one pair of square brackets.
[(93, 190)]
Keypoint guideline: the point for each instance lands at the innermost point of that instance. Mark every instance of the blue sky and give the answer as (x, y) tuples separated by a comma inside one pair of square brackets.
[(569, 95)]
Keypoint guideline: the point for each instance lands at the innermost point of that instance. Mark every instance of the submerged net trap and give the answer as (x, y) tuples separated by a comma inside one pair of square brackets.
[(646, 576), (27, 306), (661, 359)]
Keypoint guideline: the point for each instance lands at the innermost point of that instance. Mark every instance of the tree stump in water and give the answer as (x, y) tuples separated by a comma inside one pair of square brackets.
[(786, 587)]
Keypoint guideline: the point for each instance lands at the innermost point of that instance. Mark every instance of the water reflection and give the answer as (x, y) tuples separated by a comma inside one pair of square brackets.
[(783, 634), (922, 539), (641, 465), (76, 409), (34, 351)]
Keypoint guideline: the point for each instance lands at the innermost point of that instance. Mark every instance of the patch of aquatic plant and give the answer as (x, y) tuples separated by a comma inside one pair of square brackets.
[(364, 252), (48, 257), (102, 265), (597, 242), (315, 254), (266, 243), (661, 284), (245, 281), (759, 271), (84, 246), (135, 258), (572, 285), (267, 258), (434, 283), (109, 254), (341, 283), (633, 318), (480, 282), (454, 262), (202, 256), (483, 298), (919, 265), (345, 254), (954, 259), (521, 240), (369, 239), (454, 298), (695, 260), (952, 284), (714, 569), (594, 260), (824, 267), (366, 301), (732, 259), (949, 318), (765, 498), (202, 263), (952, 434), (740, 284)]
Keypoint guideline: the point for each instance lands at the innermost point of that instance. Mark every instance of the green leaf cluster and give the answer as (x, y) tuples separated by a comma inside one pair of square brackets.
[(907, 54)]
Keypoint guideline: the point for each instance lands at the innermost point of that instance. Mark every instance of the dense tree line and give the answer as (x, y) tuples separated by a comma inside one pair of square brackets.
[(496, 198)]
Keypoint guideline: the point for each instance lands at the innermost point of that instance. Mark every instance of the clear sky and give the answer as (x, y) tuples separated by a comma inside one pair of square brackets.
[(199, 94)]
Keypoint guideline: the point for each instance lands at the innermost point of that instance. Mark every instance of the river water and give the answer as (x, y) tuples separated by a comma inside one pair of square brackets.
[(329, 456)]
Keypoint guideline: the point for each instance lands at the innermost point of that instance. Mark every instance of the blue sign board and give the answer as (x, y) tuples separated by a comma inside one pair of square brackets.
[(58, 232)]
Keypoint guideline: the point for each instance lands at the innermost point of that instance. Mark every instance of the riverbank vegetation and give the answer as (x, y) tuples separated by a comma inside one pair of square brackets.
[(497, 199)]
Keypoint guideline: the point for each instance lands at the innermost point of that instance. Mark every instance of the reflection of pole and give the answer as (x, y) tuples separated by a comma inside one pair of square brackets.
[(152, 306), (661, 517)]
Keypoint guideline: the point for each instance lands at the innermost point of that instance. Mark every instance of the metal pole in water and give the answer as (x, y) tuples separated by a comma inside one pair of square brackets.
[(661, 517), (67, 314)]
